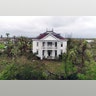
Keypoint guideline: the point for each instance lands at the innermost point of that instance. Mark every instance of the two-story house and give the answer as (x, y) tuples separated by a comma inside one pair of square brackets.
[(49, 45)]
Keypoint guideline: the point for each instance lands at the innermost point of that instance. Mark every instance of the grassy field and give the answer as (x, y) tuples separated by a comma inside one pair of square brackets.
[(50, 65), (53, 66)]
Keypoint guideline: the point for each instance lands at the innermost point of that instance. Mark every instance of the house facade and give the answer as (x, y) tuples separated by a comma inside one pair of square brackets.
[(49, 45)]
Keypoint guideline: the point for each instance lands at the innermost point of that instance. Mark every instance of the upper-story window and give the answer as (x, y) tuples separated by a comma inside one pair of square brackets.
[(37, 43), (49, 43), (55, 44), (43, 44), (61, 44)]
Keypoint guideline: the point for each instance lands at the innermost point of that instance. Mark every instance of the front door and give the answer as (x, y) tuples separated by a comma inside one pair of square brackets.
[(49, 54)]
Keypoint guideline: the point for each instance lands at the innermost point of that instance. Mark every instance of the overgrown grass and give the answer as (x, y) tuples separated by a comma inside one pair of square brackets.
[(54, 66), (35, 68)]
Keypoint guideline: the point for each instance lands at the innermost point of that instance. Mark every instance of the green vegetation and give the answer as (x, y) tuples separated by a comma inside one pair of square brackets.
[(17, 62), (2, 46)]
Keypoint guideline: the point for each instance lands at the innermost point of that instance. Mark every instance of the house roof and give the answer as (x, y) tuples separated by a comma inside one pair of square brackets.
[(49, 32)]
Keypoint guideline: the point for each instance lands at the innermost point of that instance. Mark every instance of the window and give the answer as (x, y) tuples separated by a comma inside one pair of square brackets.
[(43, 52), (37, 43), (55, 44), (43, 44), (37, 51), (61, 44), (55, 53), (49, 43), (61, 51)]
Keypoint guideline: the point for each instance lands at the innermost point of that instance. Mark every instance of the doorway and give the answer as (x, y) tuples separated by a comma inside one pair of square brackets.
[(49, 53)]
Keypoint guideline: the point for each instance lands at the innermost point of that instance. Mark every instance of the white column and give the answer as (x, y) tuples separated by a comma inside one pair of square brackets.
[(41, 55), (53, 45), (53, 54), (45, 44), (46, 53)]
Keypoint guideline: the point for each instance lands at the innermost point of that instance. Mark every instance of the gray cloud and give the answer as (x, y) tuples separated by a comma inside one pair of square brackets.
[(79, 26)]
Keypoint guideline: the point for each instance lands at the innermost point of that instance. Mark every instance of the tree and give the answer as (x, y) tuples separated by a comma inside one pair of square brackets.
[(77, 59), (1, 36), (69, 61), (7, 34)]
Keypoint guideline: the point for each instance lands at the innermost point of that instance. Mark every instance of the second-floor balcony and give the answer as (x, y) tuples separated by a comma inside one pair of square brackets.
[(49, 47)]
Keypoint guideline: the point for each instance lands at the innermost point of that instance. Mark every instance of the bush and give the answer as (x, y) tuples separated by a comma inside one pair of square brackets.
[(22, 72)]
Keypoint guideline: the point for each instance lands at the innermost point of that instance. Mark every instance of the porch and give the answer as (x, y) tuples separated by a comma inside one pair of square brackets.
[(49, 54)]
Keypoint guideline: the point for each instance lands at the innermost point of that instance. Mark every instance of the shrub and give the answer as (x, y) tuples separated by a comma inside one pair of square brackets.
[(23, 72)]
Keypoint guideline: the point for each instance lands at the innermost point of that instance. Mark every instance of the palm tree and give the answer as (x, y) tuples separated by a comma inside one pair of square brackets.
[(1, 36), (7, 34)]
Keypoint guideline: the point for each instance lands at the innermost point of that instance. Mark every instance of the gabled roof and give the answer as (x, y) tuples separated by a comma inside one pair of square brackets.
[(49, 32)]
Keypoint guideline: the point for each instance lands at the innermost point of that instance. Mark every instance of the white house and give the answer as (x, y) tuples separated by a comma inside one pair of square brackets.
[(49, 45)]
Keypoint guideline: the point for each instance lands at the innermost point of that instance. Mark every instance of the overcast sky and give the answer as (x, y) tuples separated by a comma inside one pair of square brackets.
[(31, 26)]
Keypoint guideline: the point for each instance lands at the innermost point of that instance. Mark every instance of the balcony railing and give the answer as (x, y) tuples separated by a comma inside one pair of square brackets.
[(49, 47)]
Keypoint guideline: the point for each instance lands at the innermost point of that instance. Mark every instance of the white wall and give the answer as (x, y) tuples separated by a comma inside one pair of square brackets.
[(58, 48), (34, 46), (39, 47), (64, 46)]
